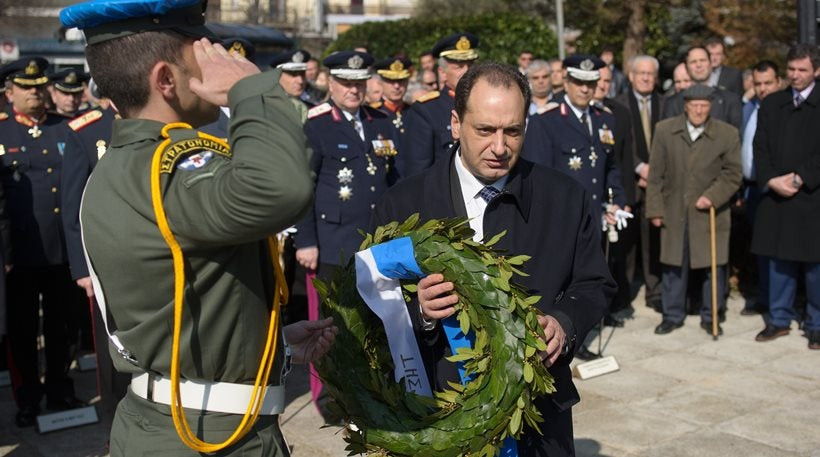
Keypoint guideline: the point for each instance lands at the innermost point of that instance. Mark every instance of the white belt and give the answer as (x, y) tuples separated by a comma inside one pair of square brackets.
[(223, 397)]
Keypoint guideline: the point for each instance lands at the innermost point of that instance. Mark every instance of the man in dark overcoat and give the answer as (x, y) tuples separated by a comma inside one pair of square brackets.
[(546, 214), (787, 160)]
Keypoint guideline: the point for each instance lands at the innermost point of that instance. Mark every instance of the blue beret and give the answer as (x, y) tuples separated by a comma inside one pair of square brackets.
[(30, 71), (583, 67), (103, 20), (240, 46), (349, 64), (69, 80), (393, 68), (459, 47), (293, 60)]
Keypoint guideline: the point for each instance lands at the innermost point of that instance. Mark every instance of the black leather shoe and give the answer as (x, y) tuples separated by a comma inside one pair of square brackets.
[(814, 339), (26, 416), (586, 354), (612, 321), (666, 327), (64, 403), (708, 327), (771, 332), (655, 304)]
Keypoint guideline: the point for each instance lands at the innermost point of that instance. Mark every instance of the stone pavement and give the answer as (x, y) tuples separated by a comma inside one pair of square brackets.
[(680, 394)]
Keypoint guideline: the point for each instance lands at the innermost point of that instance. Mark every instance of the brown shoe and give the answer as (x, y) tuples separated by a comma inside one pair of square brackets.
[(771, 332), (814, 339)]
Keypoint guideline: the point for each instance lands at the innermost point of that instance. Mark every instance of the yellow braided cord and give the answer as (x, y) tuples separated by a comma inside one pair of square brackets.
[(265, 365)]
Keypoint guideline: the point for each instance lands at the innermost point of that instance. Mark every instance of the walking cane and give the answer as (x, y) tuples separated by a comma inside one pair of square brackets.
[(714, 273)]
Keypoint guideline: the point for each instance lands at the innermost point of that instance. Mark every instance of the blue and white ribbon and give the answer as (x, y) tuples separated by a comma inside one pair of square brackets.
[(378, 270)]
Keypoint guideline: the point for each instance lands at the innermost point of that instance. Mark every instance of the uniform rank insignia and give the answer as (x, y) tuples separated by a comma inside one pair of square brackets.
[(345, 192), (100, 148), (195, 161), (605, 134), (86, 119), (345, 176), (35, 131), (397, 122), (318, 110), (384, 148), (592, 158), (575, 163)]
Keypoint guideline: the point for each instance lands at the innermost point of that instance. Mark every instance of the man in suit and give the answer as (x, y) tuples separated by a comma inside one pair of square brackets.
[(695, 163), (353, 149), (427, 123), (645, 105), (538, 74), (722, 76), (725, 105), (619, 83), (765, 81), (786, 148), (547, 215)]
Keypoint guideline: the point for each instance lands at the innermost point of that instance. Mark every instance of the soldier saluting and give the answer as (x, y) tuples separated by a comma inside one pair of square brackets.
[(173, 224)]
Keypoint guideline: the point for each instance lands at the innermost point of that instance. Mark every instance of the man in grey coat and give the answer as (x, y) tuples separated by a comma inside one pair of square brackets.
[(695, 163)]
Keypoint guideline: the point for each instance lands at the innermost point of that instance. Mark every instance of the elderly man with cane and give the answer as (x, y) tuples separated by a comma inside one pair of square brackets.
[(695, 163)]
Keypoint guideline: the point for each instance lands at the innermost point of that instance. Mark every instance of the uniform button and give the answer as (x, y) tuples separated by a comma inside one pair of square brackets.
[(14, 163), (372, 206), (53, 190), (595, 197), (322, 216), (56, 210), (343, 159), (49, 170), (594, 180), (45, 151), (372, 188)]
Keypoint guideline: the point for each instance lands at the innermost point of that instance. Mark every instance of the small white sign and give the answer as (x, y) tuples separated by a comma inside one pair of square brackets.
[(5, 378), (66, 419), (597, 367), (87, 362)]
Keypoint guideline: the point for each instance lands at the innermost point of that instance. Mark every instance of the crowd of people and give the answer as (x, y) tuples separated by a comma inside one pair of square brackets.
[(615, 185)]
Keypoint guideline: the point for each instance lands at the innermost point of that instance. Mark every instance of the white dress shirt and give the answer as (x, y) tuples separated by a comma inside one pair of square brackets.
[(470, 188)]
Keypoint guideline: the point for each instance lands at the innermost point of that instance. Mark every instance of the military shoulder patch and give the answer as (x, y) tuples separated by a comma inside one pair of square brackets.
[(203, 149), (432, 95), (551, 106), (86, 119), (4, 116), (318, 110)]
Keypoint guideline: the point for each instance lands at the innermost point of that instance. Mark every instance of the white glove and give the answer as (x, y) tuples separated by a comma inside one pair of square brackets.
[(621, 217)]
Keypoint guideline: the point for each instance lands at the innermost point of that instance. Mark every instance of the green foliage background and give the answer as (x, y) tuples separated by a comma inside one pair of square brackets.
[(502, 36)]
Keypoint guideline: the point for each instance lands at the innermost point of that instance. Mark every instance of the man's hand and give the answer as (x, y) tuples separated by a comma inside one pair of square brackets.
[(657, 221), (643, 172), (85, 284), (642, 182), (435, 297), (703, 203), (220, 71), (308, 257), (9, 267), (310, 340), (554, 336), (783, 185)]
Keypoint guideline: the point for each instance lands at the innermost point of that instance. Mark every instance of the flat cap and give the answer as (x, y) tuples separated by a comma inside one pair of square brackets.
[(69, 80), (394, 68), (698, 92), (459, 47), (353, 65), (293, 60), (30, 71), (103, 20), (583, 67)]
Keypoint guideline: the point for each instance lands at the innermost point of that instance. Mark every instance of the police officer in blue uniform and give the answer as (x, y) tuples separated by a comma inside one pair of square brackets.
[(31, 145), (353, 149), (427, 123), (576, 137), (293, 64)]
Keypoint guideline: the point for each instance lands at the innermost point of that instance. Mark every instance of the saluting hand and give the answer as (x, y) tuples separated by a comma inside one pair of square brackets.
[(220, 70), (310, 340)]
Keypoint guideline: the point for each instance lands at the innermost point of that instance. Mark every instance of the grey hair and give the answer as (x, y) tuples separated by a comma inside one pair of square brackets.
[(644, 58), (538, 65)]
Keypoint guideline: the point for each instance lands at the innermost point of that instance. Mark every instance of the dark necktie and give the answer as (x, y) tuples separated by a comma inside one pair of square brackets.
[(585, 121), (798, 99), (488, 193)]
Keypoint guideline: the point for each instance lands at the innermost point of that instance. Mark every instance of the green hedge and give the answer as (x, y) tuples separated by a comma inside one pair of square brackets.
[(502, 36)]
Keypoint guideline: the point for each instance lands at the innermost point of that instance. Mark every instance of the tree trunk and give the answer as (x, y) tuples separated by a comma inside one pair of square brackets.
[(635, 31)]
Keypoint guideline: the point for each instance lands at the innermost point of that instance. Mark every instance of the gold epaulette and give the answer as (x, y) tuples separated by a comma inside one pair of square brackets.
[(432, 95), (318, 110), (376, 105), (84, 120)]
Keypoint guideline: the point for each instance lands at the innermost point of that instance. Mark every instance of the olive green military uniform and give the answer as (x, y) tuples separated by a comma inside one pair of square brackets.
[(220, 207)]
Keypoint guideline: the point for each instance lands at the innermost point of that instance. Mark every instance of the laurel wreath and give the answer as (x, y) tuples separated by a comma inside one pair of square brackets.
[(508, 374)]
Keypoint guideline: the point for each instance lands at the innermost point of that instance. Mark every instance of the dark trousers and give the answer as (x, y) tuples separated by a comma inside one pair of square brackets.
[(650, 255), (675, 283), (782, 290), (752, 199), (24, 287)]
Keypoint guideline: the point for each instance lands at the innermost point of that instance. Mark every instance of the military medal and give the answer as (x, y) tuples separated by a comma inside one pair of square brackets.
[(345, 176), (35, 131), (397, 122), (100, 148), (345, 193), (575, 163), (592, 158), (605, 134), (371, 167)]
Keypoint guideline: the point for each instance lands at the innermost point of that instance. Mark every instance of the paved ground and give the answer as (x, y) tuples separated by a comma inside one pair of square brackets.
[(680, 394)]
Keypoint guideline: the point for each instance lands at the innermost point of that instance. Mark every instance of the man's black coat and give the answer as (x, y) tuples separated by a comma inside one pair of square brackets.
[(547, 217)]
